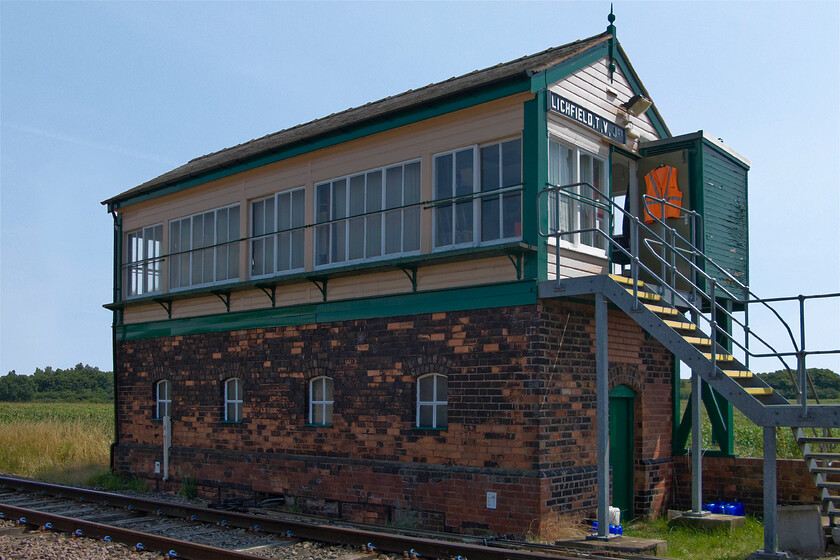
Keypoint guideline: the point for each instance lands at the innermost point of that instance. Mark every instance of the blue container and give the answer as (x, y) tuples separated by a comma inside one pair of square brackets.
[(737, 508), (715, 507), (616, 529)]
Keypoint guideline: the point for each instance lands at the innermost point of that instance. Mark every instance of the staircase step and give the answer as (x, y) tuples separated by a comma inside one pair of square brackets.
[(826, 470), (738, 374), (644, 295), (758, 391), (698, 340), (823, 457), (833, 485), (818, 439), (658, 309), (625, 280), (680, 325), (720, 357)]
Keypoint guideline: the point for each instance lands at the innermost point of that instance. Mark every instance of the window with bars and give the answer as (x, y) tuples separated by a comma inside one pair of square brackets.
[(233, 400), (368, 216), (480, 196), (144, 260), (277, 232), (204, 248), (432, 401), (576, 210), (321, 401), (163, 399)]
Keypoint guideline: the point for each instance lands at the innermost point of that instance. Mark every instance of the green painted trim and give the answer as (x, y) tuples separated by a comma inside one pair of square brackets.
[(622, 392), (374, 126), (535, 177), (683, 428), (720, 418), (455, 299), (541, 80), (321, 275)]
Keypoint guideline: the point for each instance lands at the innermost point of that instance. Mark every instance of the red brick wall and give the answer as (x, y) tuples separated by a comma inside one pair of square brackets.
[(521, 407), (741, 479)]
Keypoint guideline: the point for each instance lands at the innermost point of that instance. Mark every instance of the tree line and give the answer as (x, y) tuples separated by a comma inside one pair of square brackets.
[(82, 383)]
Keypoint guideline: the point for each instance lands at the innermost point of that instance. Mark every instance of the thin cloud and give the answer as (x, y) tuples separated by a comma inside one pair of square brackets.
[(93, 145)]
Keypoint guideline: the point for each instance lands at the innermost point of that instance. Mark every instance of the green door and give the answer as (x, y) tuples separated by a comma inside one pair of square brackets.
[(621, 449)]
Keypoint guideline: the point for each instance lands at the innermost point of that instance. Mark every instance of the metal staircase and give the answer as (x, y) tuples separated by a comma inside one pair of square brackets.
[(687, 302)]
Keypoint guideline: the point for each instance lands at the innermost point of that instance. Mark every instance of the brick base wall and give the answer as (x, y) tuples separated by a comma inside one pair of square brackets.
[(521, 415), (741, 479)]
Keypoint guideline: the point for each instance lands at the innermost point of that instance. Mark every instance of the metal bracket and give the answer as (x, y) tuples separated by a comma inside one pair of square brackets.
[(270, 291), (224, 296), (411, 272), (321, 284), (167, 306), (516, 259)]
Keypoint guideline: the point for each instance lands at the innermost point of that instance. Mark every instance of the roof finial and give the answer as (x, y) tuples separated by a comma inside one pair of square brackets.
[(611, 31)]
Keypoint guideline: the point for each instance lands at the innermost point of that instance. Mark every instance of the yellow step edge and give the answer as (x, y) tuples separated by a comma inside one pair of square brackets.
[(759, 390), (625, 280), (681, 325), (720, 357), (738, 373), (662, 310), (698, 340), (644, 295)]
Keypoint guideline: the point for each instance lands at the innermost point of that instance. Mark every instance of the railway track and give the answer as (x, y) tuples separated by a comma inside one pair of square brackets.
[(201, 533)]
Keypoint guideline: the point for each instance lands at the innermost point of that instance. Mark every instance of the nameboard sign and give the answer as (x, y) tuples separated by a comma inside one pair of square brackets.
[(562, 106)]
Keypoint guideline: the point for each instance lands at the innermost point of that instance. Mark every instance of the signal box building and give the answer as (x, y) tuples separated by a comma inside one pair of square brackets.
[(356, 313)]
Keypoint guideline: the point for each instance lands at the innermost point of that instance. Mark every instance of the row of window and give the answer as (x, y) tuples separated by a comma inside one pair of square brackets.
[(366, 216), (431, 401), (375, 215)]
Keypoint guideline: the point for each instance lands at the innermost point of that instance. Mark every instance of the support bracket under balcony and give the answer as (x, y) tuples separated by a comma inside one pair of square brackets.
[(321, 284), (515, 257), (166, 304), (269, 290), (411, 272), (223, 295)]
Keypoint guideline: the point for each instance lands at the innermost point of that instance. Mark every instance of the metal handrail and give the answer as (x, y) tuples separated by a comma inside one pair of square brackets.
[(681, 250)]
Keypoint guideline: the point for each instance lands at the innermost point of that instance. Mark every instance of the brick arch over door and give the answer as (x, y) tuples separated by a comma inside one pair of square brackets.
[(626, 374)]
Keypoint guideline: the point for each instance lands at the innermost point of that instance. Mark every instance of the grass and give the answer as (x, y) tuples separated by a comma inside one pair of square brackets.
[(59, 442), (686, 543)]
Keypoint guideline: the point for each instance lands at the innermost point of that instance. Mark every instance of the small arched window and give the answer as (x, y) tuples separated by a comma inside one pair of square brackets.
[(431, 401), (163, 399), (321, 401), (233, 400)]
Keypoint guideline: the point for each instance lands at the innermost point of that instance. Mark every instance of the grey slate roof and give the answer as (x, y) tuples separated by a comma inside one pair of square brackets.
[(521, 68)]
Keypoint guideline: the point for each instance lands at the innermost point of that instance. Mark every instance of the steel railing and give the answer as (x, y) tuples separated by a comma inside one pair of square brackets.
[(687, 278)]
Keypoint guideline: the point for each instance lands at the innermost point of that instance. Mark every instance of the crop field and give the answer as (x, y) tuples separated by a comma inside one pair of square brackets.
[(61, 442)]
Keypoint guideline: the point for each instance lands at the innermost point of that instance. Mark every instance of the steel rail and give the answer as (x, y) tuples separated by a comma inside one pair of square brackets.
[(135, 539), (316, 531)]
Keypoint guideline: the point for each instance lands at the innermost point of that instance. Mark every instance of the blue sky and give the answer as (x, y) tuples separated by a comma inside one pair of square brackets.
[(98, 97)]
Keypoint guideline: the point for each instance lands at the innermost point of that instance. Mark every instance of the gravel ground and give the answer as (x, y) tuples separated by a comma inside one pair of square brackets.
[(15, 545)]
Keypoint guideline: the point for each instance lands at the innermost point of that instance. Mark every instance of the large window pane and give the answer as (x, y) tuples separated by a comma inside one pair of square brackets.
[(443, 190)]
